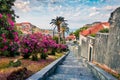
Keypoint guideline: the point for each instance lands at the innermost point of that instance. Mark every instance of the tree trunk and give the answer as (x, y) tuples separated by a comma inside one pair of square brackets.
[(59, 35), (63, 36)]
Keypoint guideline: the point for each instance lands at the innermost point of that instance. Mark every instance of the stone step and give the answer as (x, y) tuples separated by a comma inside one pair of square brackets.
[(66, 69), (63, 77), (70, 59), (73, 60), (70, 77), (72, 69), (73, 63)]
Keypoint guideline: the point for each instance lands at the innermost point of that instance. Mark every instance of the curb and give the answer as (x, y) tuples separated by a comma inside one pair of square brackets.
[(48, 70), (99, 73)]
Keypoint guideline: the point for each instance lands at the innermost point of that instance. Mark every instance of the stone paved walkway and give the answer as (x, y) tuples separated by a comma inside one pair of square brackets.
[(72, 69)]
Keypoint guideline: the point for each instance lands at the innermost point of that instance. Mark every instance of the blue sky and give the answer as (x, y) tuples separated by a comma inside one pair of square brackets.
[(77, 12)]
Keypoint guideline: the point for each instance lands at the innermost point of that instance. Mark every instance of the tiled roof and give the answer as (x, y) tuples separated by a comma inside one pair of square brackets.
[(96, 28), (72, 37)]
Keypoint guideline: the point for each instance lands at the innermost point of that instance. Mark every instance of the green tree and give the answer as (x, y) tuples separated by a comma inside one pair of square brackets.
[(76, 33), (6, 8), (106, 30), (64, 28), (57, 21), (79, 30)]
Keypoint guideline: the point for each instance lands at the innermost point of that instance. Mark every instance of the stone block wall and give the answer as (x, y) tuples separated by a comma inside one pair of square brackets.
[(90, 41), (113, 51), (107, 48), (84, 49), (100, 48)]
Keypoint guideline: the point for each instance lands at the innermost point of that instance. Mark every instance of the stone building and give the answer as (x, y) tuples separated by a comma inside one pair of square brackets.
[(87, 41), (104, 48)]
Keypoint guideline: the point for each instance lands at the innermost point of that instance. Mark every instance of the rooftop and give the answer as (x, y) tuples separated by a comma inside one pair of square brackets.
[(95, 28)]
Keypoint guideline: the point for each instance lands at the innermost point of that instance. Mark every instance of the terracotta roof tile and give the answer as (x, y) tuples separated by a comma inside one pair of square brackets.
[(71, 37), (96, 28)]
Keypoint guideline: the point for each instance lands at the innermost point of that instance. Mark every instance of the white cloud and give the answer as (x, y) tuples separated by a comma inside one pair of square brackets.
[(54, 8), (22, 5), (77, 14), (94, 9), (36, 8), (104, 8), (110, 8), (93, 14)]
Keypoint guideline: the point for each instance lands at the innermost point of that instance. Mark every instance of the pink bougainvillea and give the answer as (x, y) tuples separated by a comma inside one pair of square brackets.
[(8, 36), (9, 19), (0, 15), (33, 42), (38, 43)]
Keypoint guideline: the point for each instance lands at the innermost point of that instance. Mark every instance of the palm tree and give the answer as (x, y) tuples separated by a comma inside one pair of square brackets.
[(57, 23), (64, 28)]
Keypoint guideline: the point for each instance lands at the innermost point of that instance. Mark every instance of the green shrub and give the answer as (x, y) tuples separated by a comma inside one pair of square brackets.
[(93, 35), (55, 38), (53, 51), (43, 55), (34, 57), (79, 30), (15, 63), (75, 42), (20, 74), (106, 30), (26, 56), (5, 53)]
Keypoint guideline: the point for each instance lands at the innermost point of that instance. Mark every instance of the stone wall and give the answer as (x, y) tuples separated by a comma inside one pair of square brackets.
[(106, 47), (86, 44), (100, 48), (90, 44), (113, 51), (79, 51), (84, 48)]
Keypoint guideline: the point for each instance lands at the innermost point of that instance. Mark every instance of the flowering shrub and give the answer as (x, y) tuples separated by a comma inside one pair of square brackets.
[(35, 43), (64, 48), (61, 47), (9, 40), (31, 44)]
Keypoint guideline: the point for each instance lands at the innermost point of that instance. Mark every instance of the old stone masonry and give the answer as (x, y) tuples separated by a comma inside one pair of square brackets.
[(72, 69)]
